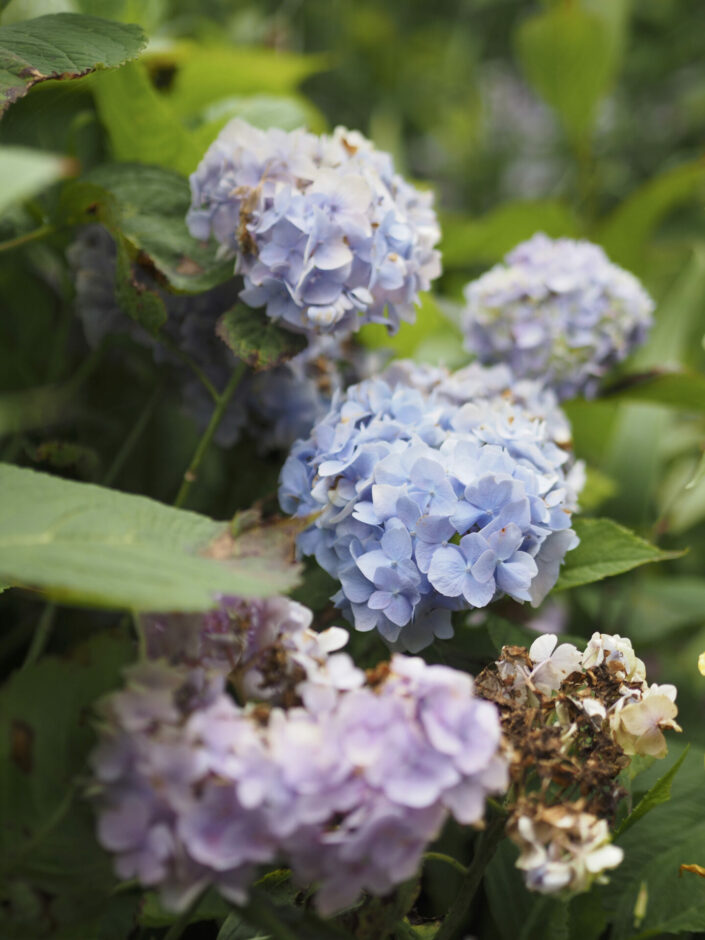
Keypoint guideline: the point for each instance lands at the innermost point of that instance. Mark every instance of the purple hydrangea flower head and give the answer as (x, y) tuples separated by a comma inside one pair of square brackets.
[(557, 310), (327, 236), (433, 493), (192, 790)]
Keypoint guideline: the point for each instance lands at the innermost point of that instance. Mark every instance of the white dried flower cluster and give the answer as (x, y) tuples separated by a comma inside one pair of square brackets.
[(573, 719), (642, 712), (562, 848), (636, 720)]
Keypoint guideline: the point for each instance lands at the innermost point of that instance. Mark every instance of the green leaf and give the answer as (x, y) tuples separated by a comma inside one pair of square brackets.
[(699, 475), (671, 835), (48, 850), (287, 112), (548, 920), (61, 45), (208, 73), (149, 206), (635, 458), (659, 793), (141, 123), (256, 339), (86, 202), (682, 389), (659, 606), (630, 226), (85, 544), (25, 172), (606, 549), (567, 56), (235, 928), (487, 239)]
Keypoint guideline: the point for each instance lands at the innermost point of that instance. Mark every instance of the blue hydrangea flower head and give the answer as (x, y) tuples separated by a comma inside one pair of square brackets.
[(559, 311), (435, 492), (327, 236)]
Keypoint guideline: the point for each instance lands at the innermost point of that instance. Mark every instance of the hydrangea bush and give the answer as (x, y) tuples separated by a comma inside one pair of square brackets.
[(300, 562)]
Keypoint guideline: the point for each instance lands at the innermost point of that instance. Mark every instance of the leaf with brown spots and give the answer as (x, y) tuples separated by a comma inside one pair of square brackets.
[(256, 339), (61, 46)]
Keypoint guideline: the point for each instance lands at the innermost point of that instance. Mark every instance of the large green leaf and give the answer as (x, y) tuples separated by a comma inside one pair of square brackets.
[(148, 207), (287, 112), (208, 73), (85, 544), (141, 123), (606, 549), (25, 172), (635, 457), (56, 880), (567, 56), (658, 606), (488, 238), (659, 793), (631, 225), (61, 45), (674, 389), (520, 914), (671, 835)]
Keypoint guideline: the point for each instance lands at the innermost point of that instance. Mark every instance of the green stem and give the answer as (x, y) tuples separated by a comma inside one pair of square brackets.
[(38, 233), (456, 918), (41, 635), (208, 434), (447, 860), (132, 438), (190, 364), (184, 919)]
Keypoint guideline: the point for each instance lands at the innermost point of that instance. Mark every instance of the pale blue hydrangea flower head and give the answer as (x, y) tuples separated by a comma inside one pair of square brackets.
[(192, 790), (327, 236), (557, 310), (435, 492)]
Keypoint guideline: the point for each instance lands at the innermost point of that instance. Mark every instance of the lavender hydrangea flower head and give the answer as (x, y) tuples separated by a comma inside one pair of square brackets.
[(557, 310), (193, 790), (326, 234), (432, 494)]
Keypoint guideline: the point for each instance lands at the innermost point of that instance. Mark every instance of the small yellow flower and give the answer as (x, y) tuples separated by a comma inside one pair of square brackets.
[(701, 664)]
